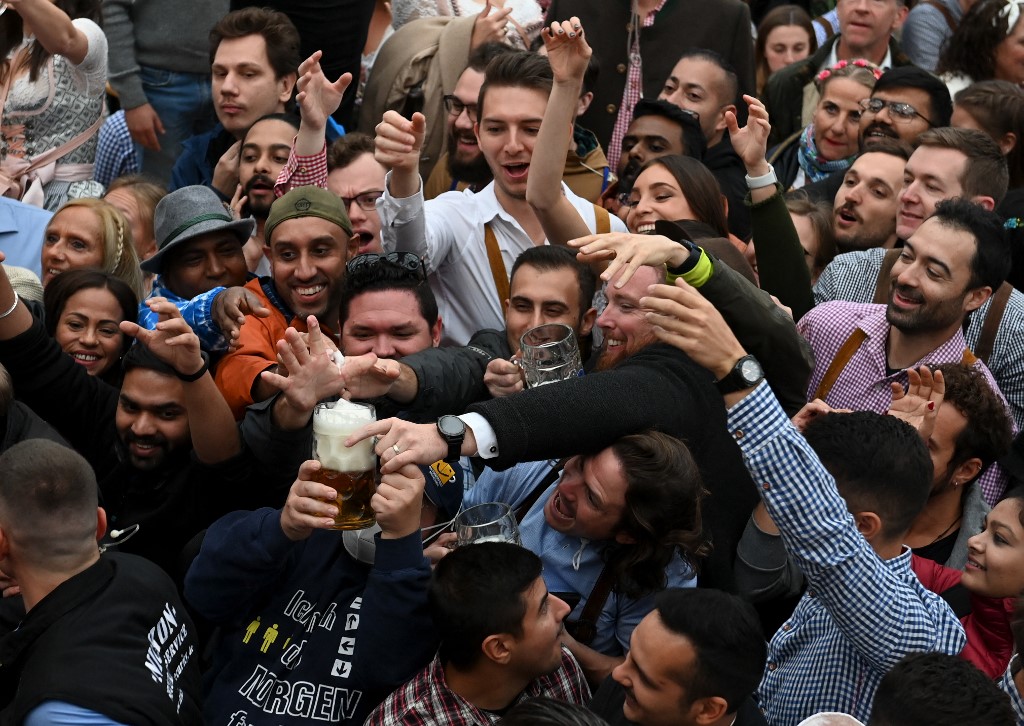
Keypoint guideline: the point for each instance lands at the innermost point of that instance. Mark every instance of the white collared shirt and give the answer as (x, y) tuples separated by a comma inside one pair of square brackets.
[(833, 58), (448, 233)]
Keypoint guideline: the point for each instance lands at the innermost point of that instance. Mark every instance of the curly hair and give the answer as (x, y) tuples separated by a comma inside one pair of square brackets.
[(988, 433), (971, 50), (662, 513), (998, 108)]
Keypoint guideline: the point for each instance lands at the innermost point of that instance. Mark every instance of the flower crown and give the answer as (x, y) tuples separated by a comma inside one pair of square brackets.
[(856, 63)]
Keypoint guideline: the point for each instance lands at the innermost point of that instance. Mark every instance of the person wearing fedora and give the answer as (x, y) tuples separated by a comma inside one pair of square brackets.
[(309, 240), (199, 257)]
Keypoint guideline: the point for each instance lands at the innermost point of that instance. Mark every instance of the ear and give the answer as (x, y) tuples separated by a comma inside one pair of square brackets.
[(101, 523), (285, 85), (5, 546), (584, 103), (901, 15), (587, 324), (268, 251), (498, 648), (352, 248), (625, 538), (976, 298), (435, 333), (967, 470), (869, 524), (721, 124), (987, 202), (1008, 142), (708, 710)]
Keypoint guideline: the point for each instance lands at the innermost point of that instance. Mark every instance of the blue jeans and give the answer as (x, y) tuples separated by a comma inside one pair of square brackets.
[(185, 106)]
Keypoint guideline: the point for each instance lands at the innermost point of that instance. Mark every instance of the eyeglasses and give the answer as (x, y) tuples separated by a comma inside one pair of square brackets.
[(367, 201), (901, 111), (455, 107), (407, 261)]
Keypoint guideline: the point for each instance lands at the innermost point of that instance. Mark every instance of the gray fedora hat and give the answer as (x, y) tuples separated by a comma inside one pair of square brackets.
[(185, 214)]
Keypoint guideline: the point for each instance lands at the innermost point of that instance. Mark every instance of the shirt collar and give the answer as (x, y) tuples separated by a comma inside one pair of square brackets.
[(833, 58), (877, 329)]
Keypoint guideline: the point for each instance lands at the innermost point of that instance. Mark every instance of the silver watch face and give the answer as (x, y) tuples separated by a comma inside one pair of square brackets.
[(750, 371)]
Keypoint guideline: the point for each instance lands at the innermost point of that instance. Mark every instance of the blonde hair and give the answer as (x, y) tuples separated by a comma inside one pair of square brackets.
[(119, 256)]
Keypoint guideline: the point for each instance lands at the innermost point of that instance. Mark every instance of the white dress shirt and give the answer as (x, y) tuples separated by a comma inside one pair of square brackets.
[(448, 233)]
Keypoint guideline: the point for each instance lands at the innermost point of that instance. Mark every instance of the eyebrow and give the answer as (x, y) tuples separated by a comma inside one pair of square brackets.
[(272, 147), (520, 121), (932, 260), (86, 317), (241, 66), (598, 496), (524, 298), (169, 406)]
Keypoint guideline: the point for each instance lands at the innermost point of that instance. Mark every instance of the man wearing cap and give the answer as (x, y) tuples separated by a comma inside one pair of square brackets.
[(199, 256), (309, 239)]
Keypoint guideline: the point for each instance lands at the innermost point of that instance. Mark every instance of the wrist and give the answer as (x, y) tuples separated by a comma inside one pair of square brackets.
[(197, 371), (766, 179)]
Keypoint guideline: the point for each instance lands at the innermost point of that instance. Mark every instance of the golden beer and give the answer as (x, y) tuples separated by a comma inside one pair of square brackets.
[(350, 471)]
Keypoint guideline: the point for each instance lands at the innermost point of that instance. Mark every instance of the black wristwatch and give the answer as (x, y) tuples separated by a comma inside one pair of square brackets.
[(453, 431), (747, 373)]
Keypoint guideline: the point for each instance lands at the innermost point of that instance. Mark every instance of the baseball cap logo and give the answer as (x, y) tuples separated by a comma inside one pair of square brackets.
[(302, 205)]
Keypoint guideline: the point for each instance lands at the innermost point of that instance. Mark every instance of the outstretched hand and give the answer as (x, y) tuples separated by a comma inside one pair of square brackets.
[(628, 253), (399, 140), (318, 97), (312, 373), (919, 404), (172, 340), (751, 142), (568, 51)]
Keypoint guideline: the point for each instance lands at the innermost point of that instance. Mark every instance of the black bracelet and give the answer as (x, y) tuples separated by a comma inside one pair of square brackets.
[(191, 378)]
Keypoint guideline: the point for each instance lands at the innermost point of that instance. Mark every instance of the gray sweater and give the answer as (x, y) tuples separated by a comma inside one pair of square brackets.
[(169, 35)]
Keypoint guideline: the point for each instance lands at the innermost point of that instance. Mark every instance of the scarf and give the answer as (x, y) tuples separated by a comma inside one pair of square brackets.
[(815, 167)]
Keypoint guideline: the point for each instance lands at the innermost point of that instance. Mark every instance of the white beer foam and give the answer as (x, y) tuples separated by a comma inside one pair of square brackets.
[(332, 426)]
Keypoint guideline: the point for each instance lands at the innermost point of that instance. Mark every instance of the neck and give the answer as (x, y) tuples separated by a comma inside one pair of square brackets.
[(875, 54), (487, 686), (523, 213), (642, 7), (887, 550), (938, 518), (36, 584), (904, 349)]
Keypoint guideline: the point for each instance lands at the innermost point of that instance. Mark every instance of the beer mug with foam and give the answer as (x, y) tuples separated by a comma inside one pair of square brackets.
[(350, 471)]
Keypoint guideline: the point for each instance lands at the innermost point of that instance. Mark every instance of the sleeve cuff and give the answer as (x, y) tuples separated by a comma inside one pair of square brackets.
[(696, 275), (483, 432)]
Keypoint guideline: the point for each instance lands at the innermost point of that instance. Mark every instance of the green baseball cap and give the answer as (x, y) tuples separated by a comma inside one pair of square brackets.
[(307, 202)]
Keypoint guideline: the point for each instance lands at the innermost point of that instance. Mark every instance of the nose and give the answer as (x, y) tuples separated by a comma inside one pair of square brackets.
[(229, 86), (355, 213), (384, 347), (514, 144), (59, 251), (909, 193), (88, 336), (463, 121), (305, 269), (214, 267), (789, 56), (143, 425), (560, 607), (975, 543), (262, 164), (604, 320)]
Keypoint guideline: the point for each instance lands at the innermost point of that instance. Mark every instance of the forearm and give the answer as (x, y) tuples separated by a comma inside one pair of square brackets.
[(403, 183), (781, 267), (20, 318), (123, 67), (215, 436), (54, 29)]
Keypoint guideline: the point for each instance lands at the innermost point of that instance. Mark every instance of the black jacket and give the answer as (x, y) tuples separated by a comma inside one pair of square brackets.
[(657, 388), (114, 639)]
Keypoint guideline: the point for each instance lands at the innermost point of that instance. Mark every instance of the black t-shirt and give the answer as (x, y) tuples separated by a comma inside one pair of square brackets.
[(941, 550)]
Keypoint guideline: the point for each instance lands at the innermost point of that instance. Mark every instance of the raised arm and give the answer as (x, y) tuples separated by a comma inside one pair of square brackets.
[(215, 436), (569, 54), (52, 28)]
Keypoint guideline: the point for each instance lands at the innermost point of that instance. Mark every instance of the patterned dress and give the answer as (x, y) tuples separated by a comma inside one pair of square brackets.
[(63, 102)]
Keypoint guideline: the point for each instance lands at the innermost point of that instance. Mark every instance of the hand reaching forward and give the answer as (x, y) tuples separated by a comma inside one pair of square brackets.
[(751, 142), (919, 404), (172, 340), (318, 97), (568, 51)]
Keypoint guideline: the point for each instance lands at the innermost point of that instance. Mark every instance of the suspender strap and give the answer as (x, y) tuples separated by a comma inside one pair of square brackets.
[(950, 20), (602, 222), (884, 276), (991, 326), (826, 26), (497, 264), (533, 496), (585, 628), (849, 347)]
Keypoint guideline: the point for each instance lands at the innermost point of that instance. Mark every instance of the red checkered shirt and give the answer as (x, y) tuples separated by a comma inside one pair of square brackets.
[(426, 700), (630, 94), (302, 171)]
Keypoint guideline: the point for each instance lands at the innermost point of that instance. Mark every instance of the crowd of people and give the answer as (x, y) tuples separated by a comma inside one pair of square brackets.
[(785, 488)]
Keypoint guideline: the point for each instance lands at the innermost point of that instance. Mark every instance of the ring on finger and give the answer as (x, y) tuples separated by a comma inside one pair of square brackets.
[(396, 449)]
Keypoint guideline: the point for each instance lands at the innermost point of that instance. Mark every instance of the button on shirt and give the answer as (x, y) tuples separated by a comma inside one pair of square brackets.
[(448, 233), (861, 614)]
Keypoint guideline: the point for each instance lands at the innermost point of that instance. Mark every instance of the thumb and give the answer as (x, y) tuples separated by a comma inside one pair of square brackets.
[(133, 329), (732, 125), (419, 127)]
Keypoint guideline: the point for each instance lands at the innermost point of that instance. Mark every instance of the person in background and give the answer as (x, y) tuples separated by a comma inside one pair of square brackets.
[(136, 197), (784, 35), (358, 179), (928, 28), (986, 46), (83, 312), (997, 108)]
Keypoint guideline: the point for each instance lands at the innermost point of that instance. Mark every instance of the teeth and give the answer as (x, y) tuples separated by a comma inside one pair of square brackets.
[(644, 228), (613, 343), (310, 290), (85, 356)]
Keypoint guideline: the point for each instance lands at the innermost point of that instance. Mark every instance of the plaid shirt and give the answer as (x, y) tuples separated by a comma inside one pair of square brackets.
[(196, 312), (860, 614), (1007, 685), (115, 151), (426, 700), (631, 93), (852, 277), (302, 171)]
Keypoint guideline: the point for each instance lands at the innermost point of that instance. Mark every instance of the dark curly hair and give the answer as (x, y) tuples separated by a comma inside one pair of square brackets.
[(971, 50), (988, 433), (662, 512)]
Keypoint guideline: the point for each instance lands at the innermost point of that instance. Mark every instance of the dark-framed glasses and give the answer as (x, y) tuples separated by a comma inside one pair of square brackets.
[(407, 261), (903, 112), (455, 107), (367, 201)]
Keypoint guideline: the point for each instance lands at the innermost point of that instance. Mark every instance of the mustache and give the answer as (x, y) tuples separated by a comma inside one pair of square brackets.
[(906, 292), (155, 440), (259, 179)]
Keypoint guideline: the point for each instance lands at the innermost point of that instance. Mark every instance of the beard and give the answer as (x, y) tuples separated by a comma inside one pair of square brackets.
[(472, 170), (926, 317), (261, 209), (607, 360)]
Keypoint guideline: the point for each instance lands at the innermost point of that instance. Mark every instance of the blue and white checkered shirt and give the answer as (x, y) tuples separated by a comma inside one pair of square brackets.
[(860, 614), (1009, 687), (196, 312), (115, 151)]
